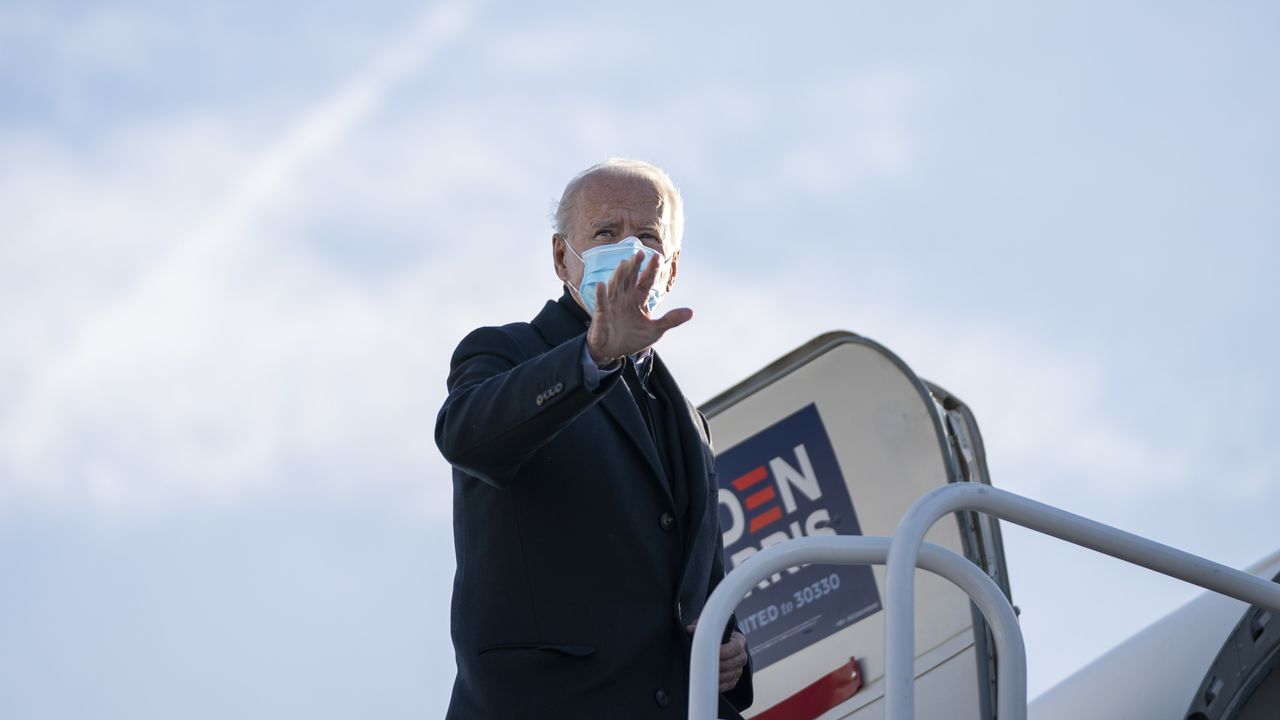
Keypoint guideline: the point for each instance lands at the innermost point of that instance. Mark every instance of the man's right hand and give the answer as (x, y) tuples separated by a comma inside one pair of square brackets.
[(621, 326)]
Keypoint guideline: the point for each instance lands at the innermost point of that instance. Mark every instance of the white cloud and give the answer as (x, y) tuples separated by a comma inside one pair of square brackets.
[(860, 132), (176, 381), (95, 38), (1046, 410), (251, 348)]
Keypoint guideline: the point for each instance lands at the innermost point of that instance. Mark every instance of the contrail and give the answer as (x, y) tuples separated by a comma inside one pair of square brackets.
[(169, 288), (328, 124)]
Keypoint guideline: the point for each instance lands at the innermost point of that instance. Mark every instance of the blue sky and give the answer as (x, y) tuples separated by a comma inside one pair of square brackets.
[(240, 242)]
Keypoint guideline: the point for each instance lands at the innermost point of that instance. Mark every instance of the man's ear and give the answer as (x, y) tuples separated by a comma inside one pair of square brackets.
[(671, 278), (557, 257)]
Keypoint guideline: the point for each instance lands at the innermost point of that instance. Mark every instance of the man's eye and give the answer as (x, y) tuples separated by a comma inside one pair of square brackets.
[(604, 233)]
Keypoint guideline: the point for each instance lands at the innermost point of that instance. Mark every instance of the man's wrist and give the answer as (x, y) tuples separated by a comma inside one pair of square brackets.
[(602, 362)]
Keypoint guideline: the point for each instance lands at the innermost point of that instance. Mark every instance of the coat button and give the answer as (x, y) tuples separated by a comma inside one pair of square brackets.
[(661, 698), (559, 387), (667, 521), (541, 399)]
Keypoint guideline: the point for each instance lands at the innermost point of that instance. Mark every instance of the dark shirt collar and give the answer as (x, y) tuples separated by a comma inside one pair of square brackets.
[(568, 302)]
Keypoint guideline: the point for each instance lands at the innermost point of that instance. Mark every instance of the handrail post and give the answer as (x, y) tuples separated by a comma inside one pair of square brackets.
[(1011, 701), (904, 552)]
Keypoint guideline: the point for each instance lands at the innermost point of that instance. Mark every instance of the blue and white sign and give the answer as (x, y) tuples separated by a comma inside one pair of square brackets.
[(783, 483)]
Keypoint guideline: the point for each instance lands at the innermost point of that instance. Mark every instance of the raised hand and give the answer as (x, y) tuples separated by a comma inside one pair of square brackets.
[(621, 325)]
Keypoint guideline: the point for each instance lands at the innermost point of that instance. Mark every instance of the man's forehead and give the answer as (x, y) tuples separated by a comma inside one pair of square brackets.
[(612, 194), (607, 218)]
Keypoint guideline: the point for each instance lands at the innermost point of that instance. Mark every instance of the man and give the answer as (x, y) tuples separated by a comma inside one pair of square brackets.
[(586, 522)]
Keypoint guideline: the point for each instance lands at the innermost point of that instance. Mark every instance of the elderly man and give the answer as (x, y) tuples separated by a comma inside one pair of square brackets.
[(586, 522)]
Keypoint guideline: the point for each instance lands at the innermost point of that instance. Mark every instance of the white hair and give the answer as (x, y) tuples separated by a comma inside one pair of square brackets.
[(623, 166)]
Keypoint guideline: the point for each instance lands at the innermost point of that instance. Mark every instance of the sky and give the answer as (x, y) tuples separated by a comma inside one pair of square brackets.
[(241, 239)]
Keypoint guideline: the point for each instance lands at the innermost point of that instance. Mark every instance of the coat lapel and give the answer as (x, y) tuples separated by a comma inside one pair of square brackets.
[(622, 408), (702, 505), (558, 324)]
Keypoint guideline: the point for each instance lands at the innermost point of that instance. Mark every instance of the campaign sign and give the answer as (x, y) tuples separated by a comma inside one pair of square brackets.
[(783, 483)]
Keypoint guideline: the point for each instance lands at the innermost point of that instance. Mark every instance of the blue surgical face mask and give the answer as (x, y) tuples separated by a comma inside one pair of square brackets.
[(599, 263)]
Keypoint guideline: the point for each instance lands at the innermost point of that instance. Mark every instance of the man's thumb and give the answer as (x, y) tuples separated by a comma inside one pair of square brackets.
[(676, 317)]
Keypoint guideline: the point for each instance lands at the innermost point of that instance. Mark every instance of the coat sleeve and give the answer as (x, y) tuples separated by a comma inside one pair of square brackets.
[(502, 406)]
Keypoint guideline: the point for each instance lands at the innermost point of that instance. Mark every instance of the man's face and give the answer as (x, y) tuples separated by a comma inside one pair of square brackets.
[(610, 207)]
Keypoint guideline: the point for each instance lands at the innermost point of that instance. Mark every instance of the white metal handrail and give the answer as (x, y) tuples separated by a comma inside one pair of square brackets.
[(908, 546), (704, 672)]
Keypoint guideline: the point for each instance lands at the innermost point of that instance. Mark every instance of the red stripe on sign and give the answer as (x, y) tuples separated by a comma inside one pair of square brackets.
[(765, 518), (751, 478), (829, 691), (755, 500)]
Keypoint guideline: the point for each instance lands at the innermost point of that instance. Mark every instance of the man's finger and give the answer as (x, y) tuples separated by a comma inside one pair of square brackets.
[(600, 298), (637, 274), (733, 659), (676, 317), (727, 682), (626, 274), (730, 650), (618, 281), (622, 280), (648, 277)]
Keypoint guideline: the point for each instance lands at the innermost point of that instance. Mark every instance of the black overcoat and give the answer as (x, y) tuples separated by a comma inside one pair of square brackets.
[(575, 576)]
